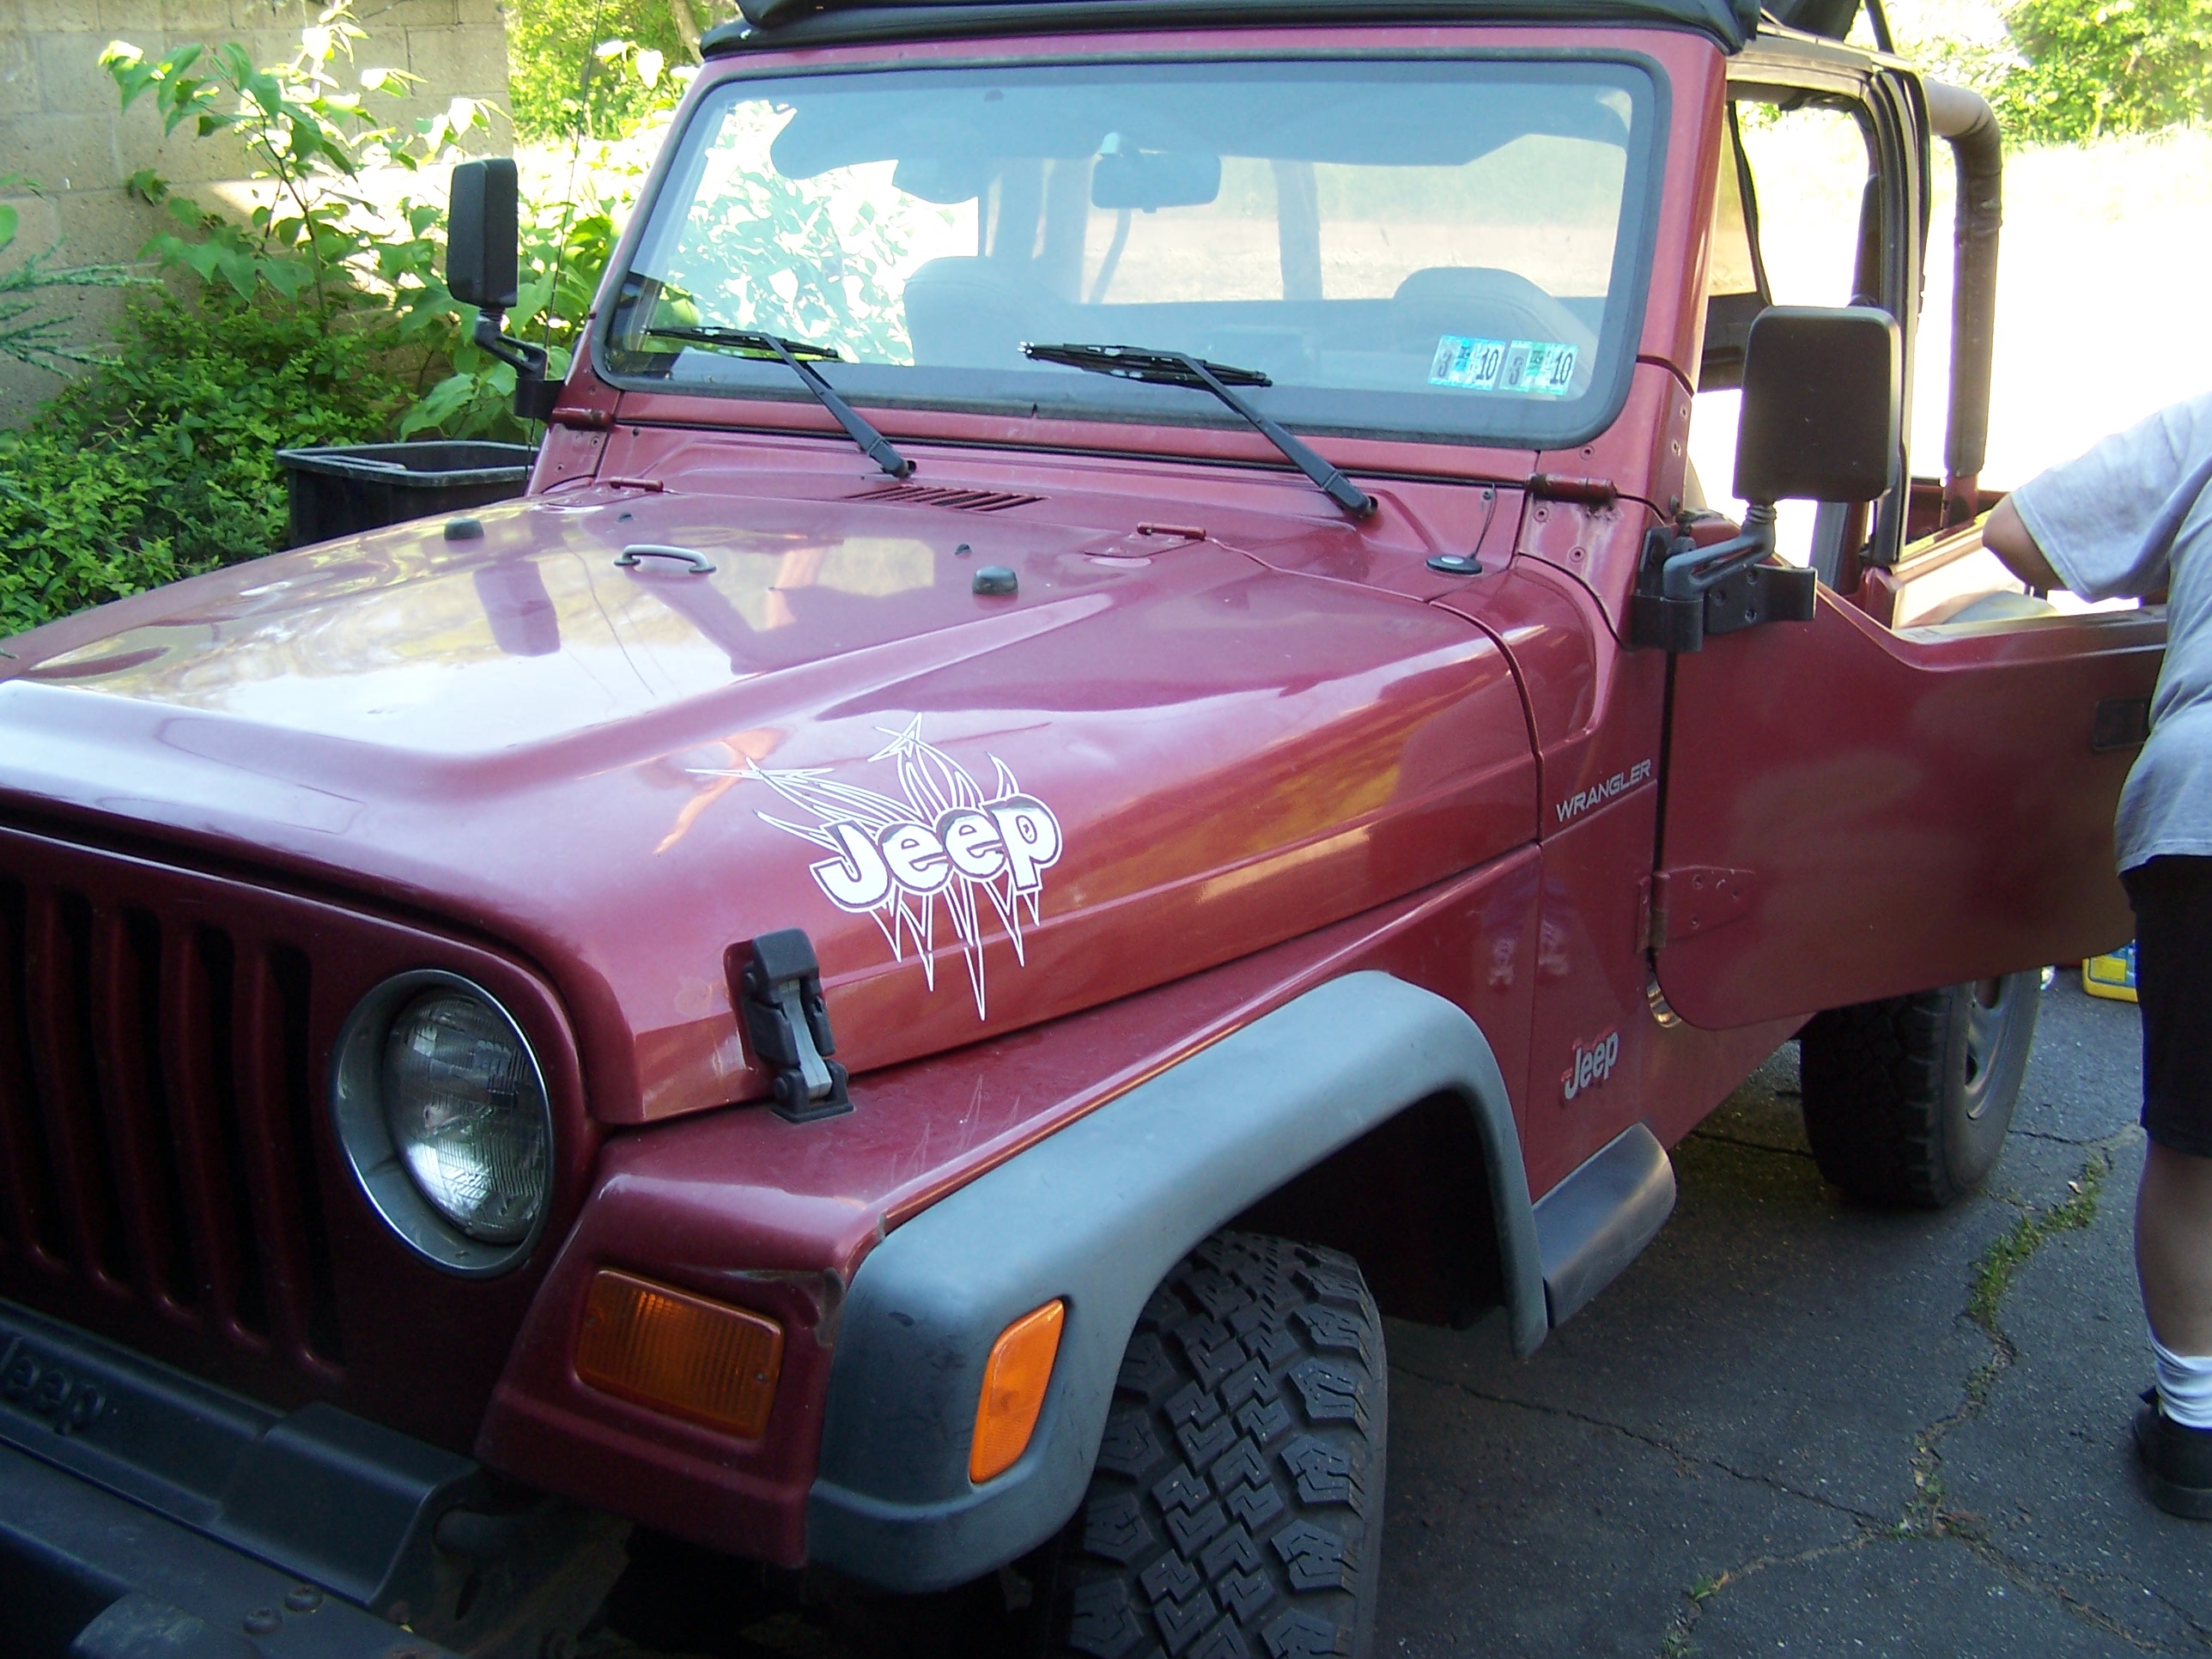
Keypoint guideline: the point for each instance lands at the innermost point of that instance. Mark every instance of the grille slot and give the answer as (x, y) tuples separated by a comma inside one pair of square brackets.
[(178, 1275), (30, 1177), (86, 1123), (157, 1117), (959, 501)]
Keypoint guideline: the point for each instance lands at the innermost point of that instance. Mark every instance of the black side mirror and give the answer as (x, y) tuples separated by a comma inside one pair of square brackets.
[(1823, 413), (1822, 420), (483, 260), (483, 234)]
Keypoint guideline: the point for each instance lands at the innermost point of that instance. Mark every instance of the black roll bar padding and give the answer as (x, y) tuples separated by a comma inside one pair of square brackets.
[(1964, 119)]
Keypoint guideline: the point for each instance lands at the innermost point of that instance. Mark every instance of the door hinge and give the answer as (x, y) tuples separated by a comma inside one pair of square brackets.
[(1692, 899)]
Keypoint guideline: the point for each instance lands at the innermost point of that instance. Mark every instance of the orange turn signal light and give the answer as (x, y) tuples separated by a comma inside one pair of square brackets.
[(680, 1353), (1014, 1379)]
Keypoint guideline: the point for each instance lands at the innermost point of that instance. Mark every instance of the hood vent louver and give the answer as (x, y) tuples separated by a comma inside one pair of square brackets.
[(957, 500)]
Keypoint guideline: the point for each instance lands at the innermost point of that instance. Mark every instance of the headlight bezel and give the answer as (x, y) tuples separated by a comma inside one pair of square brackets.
[(360, 1114)]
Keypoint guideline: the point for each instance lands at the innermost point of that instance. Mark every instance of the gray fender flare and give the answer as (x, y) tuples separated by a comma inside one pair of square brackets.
[(1099, 1213)]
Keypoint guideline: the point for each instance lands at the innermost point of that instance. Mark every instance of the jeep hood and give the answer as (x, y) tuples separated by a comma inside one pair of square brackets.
[(1158, 754)]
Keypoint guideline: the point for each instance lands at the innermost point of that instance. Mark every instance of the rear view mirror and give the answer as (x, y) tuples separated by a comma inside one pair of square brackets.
[(1822, 415), (1125, 178), (483, 235)]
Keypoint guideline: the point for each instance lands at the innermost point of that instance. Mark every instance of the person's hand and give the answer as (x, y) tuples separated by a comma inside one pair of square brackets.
[(2006, 534)]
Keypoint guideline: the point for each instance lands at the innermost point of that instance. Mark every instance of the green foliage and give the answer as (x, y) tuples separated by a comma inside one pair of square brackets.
[(29, 332), (561, 78), (309, 140), (162, 462), (2096, 67), (1993, 1270), (372, 268)]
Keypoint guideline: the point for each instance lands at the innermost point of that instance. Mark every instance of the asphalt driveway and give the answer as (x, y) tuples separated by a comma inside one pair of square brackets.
[(1796, 1427)]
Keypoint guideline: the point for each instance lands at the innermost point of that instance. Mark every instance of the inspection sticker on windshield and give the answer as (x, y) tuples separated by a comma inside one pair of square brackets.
[(1471, 365), (1542, 367)]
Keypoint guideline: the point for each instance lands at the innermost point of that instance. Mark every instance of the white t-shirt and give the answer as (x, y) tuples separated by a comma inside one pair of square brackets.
[(2130, 517)]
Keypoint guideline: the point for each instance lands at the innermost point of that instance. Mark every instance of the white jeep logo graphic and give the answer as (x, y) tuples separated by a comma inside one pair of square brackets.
[(1593, 1065), (946, 844)]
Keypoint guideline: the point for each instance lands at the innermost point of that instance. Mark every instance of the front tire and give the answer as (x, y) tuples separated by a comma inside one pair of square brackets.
[(1908, 1100), (1236, 1508)]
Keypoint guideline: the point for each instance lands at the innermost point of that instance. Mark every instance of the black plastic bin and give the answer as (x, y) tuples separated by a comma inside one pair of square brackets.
[(345, 489)]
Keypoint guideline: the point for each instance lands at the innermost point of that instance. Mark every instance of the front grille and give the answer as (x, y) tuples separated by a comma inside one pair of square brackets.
[(156, 1101)]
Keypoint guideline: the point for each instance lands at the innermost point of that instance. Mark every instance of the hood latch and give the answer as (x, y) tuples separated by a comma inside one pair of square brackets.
[(778, 984)]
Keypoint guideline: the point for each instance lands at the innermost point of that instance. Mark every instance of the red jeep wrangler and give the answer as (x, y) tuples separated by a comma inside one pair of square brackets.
[(887, 970)]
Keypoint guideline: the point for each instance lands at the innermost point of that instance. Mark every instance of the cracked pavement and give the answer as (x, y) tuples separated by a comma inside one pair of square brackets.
[(1780, 1432)]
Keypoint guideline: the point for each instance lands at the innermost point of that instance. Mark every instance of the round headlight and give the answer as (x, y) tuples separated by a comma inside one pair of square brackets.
[(467, 1114), (442, 1111)]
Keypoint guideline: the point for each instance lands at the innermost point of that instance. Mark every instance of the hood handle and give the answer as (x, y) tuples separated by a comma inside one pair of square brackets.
[(699, 565)]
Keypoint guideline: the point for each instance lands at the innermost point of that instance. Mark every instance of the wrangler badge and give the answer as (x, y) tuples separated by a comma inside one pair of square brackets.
[(947, 846)]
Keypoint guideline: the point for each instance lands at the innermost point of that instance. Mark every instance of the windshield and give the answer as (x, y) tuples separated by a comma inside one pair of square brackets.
[(1447, 247)]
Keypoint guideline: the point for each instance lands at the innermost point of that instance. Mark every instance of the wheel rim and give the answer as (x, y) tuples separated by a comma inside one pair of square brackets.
[(1990, 1007)]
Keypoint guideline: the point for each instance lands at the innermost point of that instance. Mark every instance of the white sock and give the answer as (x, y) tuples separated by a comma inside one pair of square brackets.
[(2184, 1386)]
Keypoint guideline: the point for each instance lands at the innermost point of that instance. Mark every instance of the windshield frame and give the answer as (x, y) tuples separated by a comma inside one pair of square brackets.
[(1086, 399)]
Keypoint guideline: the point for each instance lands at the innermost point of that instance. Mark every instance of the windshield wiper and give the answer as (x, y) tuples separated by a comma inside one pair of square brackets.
[(801, 358), (1180, 368)]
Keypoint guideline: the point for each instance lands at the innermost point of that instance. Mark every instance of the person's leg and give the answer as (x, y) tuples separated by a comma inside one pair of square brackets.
[(2173, 900), (2173, 1247)]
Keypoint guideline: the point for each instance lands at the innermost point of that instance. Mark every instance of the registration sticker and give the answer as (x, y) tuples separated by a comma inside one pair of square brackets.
[(1469, 364), (1542, 367)]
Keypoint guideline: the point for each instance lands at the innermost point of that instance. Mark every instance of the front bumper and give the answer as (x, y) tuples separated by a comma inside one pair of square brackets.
[(86, 1574), (142, 1511)]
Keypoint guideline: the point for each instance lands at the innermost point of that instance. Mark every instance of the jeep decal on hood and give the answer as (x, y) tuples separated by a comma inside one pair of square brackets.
[(895, 859)]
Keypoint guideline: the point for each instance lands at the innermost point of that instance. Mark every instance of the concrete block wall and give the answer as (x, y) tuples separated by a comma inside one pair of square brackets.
[(61, 128)]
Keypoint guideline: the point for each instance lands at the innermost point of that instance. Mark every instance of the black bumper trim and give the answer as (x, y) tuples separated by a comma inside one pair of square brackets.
[(89, 1575), (317, 1496)]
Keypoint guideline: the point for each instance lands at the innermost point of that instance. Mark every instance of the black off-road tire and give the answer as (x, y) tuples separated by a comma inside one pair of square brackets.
[(1236, 1509), (1907, 1100)]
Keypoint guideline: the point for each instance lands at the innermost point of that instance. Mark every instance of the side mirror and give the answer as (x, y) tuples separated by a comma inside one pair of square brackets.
[(1125, 177), (1822, 420), (483, 233), (483, 260), (1823, 416)]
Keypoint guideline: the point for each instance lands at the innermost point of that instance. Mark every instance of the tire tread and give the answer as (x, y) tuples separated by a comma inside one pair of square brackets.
[(1235, 1510), (1881, 1085)]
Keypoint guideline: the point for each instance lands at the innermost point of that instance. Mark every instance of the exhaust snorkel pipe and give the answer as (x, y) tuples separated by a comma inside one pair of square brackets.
[(1964, 121)]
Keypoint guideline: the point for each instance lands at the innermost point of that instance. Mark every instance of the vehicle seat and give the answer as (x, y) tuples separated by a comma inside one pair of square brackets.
[(966, 312), (1483, 303), (2003, 606)]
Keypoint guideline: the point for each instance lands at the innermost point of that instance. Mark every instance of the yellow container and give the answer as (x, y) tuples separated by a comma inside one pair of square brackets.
[(2113, 975)]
